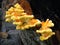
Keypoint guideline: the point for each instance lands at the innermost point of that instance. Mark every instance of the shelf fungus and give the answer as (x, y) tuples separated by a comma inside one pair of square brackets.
[(14, 12), (45, 30), (23, 21), (28, 24)]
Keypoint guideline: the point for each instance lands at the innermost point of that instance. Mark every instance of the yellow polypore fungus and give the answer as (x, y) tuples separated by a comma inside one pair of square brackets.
[(46, 35), (47, 24), (33, 22), (45, 30), (22, 20), (18, 6), (28, 24), (25, 21)]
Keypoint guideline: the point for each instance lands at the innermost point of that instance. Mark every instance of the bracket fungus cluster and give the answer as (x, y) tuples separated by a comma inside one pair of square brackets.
[(22, 20), (45, 30)]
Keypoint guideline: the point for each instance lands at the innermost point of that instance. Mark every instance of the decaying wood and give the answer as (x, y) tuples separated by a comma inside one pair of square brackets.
[(25, 4), (57, 35)]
